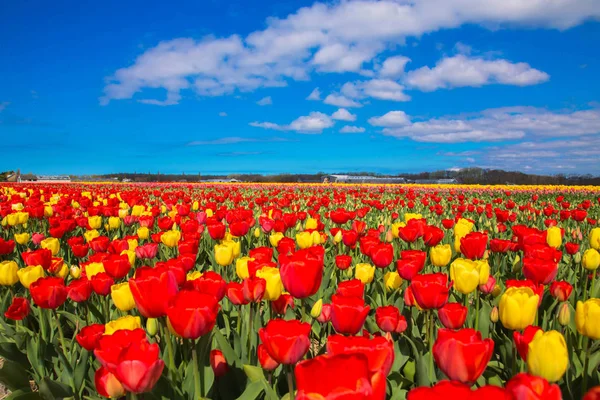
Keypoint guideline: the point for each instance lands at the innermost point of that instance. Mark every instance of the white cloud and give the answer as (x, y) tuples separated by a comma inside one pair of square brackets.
[(340, 101), (336, 37), (382, 89), (463, 48), (3, 105), (222, 114), (391, 119), (313, 123), (393, 66), (265, 101), (461, 70), (314, 95), (343, 115), (352, 129), (496, 124)]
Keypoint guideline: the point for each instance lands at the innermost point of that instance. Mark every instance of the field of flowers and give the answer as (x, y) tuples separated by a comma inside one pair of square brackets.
[(243, 291)]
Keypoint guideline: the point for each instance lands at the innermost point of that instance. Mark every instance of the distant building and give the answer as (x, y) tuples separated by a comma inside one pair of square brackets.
[(220, 180), (362, 179), (44, 178), (436, 181)]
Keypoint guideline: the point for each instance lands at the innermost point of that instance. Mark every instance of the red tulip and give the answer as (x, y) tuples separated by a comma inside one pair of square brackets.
[(101, 283), (379, 351), (49, 292), (571, 248), (430, 290), (146, 251), (131, 358), (218, 363), (489, 286), (473, 245), (18, 309), (302, 272), (348, 314), (348, 377), (209, 283), (522, 340), (462, 355), (286, 341), (253, 289), (90, 336), (343, 261), (389, 319), (262, 254), (455, 390), (41, 257), (193, 314), (6, 246), (325, 315), (235, 293), (117, 266), (266, 361), (351, 288), (382, 255), (448, 223), (592, 394), (524, 386), (500, 245), (453, 315), (282, 303), (433, 236), (107, 384), (561, 290), (152, 289)]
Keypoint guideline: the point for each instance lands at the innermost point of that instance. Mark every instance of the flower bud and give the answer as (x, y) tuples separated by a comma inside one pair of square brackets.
[(494, 314), (152, 326), (338, 237), (315, 312), (75, 272), (577, 257), (564, 314)]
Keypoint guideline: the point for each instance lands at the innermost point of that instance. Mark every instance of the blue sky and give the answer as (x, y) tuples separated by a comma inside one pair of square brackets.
[(217, 87)]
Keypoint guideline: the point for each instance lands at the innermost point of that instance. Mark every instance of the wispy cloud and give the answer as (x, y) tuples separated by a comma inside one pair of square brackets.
[(313, 123), (265, 101)]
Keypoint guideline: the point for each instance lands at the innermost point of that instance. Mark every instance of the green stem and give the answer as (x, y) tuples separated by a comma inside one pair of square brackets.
[(514, 360), (61, 338), (132, 396), (197, 383), (170, 350), (586, 364), (593, 282), (476, 309), (430, 341), (250, 330), (290, 380)]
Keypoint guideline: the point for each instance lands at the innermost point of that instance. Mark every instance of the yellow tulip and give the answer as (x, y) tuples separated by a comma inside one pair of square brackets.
[(91, 235), (548, 356), (304, 240), (143, 233), (409, 216), (591, 259), (518, 306), (137, 210), (195, 206), (392, 280), (241, 267), (122, 297), (440, 255), (396, 227), (122, 214), (22, 238), (170, 238), (316, 309), (114, 223), (133, 243), (364, 272), (63, 271), (274, 238), (587, 318), (463, 227), (52, 244), (192, 276), (595, 238), (274, 286), (128, 322), (95, 222), (209, 212), (338, 237), (554, 237), (30, 274), (8, 273), (256, 232), (311, 223), (75, 272), (151, 326), (93, 269), (48, 211), (223, 254), (316, 238), (130, 256), (236, 247), (467, 274)]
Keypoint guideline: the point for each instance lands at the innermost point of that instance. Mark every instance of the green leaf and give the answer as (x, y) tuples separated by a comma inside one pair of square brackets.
[(230, 355), (254, 373), (22, 394), (51, 390), (252, 391), (10, 351), (81, 369), (14, 376)]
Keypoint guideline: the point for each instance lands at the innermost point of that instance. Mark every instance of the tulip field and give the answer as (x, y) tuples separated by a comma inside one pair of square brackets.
[(299, 291)]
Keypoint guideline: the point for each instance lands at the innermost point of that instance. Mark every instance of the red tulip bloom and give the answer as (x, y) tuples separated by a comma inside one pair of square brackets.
[(239, 228), (351, 288), (433, 235), (325, 315), (448, 223), (216, 230), (382, 255), (152, 289), (18, 309), (409, 233), (500, 245), (539, 271), (107, 384), (453, 315), (253, 289), (80, 290), (348, 314), (343, 261), (561, 290), (80, 250), (379, 351), (49, 292), (282, 303), (235, 293), (473, 245), (101, 283), (430, 290), (302, 272), (90, 336), (592, 394), (261, 254), (41, 257), (117, 266), (100, 244), (131, 358), (462, 355), (489, 286), (146, 251), (571, 248), (266, 361), (530, 387), (6, 246), (286, 341), (218, 363), (193, 314), (522, 340), (389, 319), (209, 283), (348, 377), (455, 390)]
